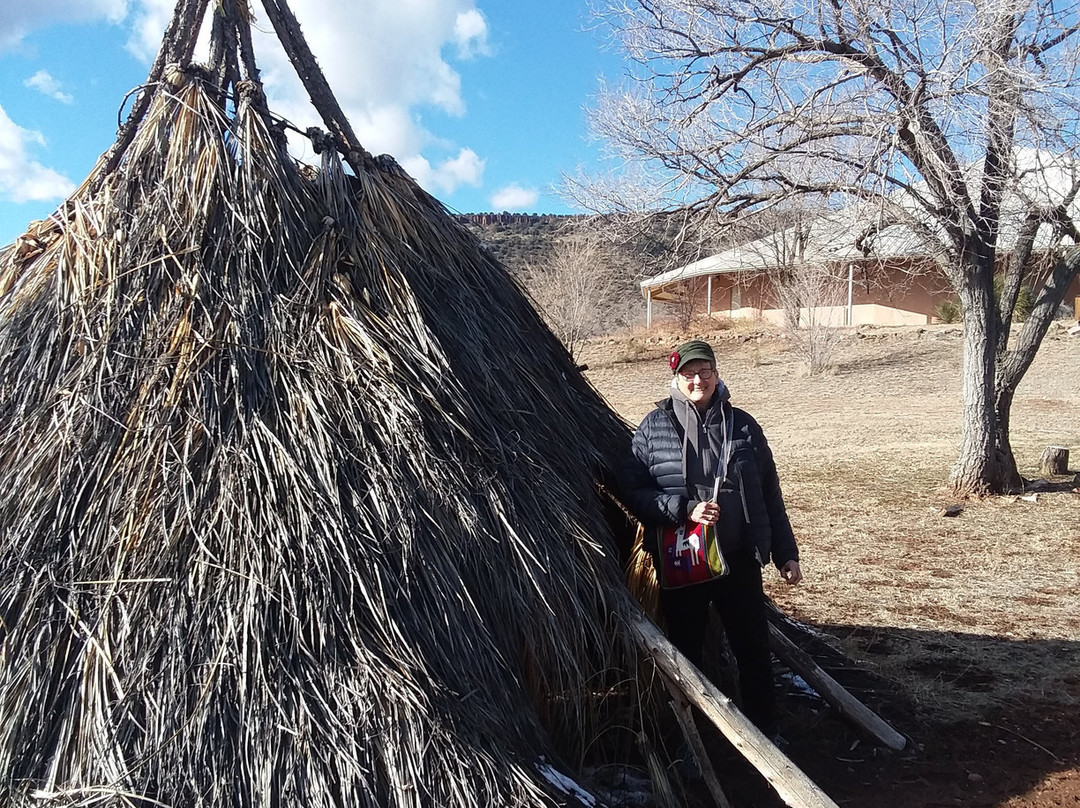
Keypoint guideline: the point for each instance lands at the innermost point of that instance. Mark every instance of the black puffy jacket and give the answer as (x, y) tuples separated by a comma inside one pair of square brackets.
[(653, 486)]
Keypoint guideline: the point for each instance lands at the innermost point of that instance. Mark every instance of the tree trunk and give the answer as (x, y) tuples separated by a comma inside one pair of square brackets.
[(983, 462), (1012, 362), (1055, 460), (1010, 474)]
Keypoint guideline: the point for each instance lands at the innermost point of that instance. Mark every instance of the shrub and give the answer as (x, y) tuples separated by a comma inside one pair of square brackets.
[(812, 296), (948, 311), (633, 351), (1025, 299)]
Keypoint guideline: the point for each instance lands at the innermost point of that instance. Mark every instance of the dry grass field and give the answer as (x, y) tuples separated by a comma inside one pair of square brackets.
[(974, 620)]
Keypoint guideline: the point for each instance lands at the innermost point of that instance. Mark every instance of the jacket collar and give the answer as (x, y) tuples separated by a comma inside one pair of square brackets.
[(722, 394), (666, 405)]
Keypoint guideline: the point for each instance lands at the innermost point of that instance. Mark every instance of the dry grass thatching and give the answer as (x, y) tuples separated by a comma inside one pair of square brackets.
[(299, 494)]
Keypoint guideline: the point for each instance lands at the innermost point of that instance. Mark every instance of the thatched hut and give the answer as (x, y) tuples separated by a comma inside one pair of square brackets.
[(299, 495), (302, 504)]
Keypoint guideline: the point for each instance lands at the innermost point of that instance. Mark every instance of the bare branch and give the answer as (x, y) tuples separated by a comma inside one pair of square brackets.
[(958, 120)]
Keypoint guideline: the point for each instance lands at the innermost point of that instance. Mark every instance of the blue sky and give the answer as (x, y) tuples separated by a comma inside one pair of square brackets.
[(481, 100)]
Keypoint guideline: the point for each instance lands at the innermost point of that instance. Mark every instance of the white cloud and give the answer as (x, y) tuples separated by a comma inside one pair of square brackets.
[(470, 34), (388, 129), (45, 83), (465, 169), (148, 22), (19, 17), (382, 53), (514, 197), (23, 179), (387, 61)]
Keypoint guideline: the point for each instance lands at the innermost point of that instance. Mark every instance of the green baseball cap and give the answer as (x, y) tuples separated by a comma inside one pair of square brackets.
[(689, 351)]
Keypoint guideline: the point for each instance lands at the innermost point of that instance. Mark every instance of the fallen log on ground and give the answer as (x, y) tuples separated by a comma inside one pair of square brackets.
[(833, 692), (793, 786)]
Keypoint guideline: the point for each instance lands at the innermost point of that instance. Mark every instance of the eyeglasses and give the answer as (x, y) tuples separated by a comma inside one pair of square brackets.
[(704, 374)]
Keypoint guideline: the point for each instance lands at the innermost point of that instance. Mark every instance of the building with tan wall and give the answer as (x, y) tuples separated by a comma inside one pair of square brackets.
[(885, 276)]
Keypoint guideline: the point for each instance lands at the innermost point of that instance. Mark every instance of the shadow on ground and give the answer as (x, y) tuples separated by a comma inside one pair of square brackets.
[(993, 740)]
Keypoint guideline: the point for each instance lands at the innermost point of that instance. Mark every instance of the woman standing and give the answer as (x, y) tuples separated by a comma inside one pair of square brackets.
[(697, 459)]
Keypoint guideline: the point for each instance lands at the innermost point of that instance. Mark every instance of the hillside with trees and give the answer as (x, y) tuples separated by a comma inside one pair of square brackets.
[(518, 240), (583, 272)]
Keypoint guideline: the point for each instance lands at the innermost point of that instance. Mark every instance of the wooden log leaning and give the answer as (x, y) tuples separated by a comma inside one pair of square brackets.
[(1055, 460), (833, 692), (793, 786), (685, 716)]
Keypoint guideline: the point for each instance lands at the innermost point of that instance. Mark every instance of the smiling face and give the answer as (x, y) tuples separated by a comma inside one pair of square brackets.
[(697, 381)]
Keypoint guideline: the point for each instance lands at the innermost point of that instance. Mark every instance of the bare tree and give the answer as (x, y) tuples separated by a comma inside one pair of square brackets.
[(806, 285), (582, 290), (812, 296), (959, 121)]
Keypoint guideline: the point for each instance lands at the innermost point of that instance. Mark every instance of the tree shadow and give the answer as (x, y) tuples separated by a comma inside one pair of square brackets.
[(899, 355), (988, 719), (1044, 485)]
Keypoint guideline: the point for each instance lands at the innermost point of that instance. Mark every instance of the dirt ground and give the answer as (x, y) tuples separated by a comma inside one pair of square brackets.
[(969, 625)]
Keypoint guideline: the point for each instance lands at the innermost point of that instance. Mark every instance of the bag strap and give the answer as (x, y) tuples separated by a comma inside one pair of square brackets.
[(728, 426)]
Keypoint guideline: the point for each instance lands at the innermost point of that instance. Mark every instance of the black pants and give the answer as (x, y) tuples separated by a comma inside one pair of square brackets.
[(740, 602)]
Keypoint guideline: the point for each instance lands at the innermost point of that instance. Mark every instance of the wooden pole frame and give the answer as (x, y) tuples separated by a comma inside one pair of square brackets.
[(794, 787)]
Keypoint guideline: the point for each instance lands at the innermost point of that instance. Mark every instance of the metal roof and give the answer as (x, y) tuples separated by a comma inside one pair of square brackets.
[(859, 231), (837, 237)]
